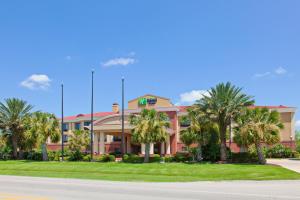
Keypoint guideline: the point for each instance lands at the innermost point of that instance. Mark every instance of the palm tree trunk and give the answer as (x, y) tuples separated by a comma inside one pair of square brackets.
[(223, 149), (261, 157), (147, 152), (44, 151), (199, 153), (15, 146)]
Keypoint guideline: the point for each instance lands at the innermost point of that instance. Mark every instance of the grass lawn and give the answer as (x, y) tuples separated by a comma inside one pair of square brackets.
[(155, 172)]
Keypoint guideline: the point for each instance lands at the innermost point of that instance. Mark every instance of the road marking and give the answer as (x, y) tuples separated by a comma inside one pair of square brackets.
[(7, 196)]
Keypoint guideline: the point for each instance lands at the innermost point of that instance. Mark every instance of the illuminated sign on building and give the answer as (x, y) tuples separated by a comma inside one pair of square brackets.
[(149, 101)]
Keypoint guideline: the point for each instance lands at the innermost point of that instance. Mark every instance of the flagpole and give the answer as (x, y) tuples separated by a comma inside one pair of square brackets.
[(123, 132), (62, 122), (92, 116)]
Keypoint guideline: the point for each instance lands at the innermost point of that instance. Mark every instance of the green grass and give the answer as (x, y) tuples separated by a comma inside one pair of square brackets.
[(171, 172)]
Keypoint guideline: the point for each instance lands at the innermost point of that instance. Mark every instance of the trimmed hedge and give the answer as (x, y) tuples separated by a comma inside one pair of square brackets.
[(244, 157)]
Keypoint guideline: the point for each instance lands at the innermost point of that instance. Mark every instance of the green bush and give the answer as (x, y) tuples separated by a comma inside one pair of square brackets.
[(132, 158), (280, 151), (169, 159), (86, 158), (105, 158), (244, 157), (54, 155), (5, 153), (75, 156), (33, 155), (183, 157), (155, 158)]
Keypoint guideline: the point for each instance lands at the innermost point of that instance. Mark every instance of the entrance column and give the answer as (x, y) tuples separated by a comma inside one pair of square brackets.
[(128, 144), (143, 149), (168, 146), (151, 148), (162, 148), (102, 143), (96, 143)]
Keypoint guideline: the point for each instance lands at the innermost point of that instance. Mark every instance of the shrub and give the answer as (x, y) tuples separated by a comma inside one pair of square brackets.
[(54, 155), (244, 157), (86, 158), (279, 151), (33, 155), (132, 158), (5, 153), (169, 159), (75, 156), (105, 158), (155, 158), (183, 157)]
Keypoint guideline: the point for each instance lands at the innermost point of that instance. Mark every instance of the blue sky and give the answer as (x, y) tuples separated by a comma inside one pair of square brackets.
[(170, 48)]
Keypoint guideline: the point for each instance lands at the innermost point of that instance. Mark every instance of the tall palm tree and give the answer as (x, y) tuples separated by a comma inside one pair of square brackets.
[(43, 127), (222, 105), (257, 126), (13, 112), (149, 127)]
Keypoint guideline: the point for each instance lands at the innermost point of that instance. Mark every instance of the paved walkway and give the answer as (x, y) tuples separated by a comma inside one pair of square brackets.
[(286, 163), (31, 188)]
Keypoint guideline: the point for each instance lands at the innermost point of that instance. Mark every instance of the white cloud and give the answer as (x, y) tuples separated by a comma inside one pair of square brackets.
[(119, 61), (280, 71), (262, 75), (277, 72), (188, 98), (68, 57), (36, 81)]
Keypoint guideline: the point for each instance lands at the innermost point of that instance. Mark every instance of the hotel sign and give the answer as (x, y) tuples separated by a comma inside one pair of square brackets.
[(150, 101)]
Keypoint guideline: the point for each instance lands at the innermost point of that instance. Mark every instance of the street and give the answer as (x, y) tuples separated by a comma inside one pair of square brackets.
[(31, 188)]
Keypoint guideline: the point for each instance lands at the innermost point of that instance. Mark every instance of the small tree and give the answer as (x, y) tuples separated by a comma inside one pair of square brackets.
[(44, 126), (12, 114), (222, 105), (149, 127), (79, 140), (257, 126)]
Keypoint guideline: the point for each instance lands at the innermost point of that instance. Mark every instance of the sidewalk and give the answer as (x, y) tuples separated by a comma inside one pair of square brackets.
[(286, 163)]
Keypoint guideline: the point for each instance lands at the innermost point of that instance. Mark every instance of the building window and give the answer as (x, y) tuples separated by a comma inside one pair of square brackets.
[(87, 123), (117, 139), (77, 126), (65, 127), (65, 138)]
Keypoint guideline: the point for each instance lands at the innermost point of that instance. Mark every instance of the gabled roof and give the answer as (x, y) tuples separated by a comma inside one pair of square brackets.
[(148, 95)]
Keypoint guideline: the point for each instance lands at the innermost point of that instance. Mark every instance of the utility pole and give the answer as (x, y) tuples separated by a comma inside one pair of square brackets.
[(123, 133)]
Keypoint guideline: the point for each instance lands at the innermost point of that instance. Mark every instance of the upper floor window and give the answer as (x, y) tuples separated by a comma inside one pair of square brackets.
[(77, 126), (87, 123), (117, 138), (65, 127), (65, 138)]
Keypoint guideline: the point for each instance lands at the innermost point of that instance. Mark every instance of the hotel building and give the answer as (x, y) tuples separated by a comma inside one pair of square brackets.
[(108, 129)]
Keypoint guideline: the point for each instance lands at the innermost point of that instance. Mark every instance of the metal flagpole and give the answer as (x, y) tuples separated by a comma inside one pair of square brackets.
[(92, 116), (123, 133), (62, 122)]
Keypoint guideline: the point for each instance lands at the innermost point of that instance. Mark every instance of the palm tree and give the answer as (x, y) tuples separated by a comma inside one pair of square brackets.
[(43, 127), (257, 126), (13, 112), (222, 105), (149, 127)]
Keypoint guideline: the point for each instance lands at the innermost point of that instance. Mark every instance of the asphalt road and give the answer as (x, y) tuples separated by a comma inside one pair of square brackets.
[(28, 188)]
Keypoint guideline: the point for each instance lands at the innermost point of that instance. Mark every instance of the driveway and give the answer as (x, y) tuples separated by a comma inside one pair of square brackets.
[(30, 188), (286, 163)]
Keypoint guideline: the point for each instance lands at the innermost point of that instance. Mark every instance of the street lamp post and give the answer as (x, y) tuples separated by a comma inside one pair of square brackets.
[(291, 144), (62, 122), (92, 116), (123, 133)]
